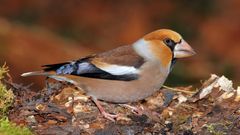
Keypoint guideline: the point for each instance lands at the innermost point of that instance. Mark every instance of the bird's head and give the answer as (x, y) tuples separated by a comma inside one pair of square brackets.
[(165, 38), (164, 45)]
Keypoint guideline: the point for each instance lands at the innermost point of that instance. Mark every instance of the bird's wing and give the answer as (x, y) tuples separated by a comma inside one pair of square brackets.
[(122, 63)]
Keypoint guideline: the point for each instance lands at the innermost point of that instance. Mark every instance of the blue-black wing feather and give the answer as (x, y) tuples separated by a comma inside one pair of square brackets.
[(124, 55), (84, 68)]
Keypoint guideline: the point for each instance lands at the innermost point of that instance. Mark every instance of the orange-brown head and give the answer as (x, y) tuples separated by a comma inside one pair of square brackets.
[(163, 45)]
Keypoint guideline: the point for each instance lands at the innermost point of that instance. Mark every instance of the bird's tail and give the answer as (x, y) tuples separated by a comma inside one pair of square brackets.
[(53, 75), (36, 73)]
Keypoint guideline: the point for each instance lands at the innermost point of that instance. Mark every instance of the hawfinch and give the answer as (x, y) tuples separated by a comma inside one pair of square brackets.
[(125, 74)]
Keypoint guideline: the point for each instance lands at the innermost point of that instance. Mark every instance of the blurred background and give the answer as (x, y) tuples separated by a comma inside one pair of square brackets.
[(38, 32)]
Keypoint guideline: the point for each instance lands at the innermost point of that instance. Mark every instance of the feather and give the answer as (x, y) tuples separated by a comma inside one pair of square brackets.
[(122, 63), (35, 73)]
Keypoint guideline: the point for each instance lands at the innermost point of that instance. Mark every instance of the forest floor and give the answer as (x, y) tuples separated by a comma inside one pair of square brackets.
[(63, 109)]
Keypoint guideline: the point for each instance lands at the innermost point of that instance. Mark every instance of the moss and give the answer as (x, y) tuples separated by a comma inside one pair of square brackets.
[(3, 71), (6, 95), (213, 128), (6, 100), (8, 128)]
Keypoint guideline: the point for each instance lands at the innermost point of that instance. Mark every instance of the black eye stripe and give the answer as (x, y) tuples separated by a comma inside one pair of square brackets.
[(170, 43), (179, 41)]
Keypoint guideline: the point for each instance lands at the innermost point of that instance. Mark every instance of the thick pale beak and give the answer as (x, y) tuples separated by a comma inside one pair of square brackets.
[(183, 49)]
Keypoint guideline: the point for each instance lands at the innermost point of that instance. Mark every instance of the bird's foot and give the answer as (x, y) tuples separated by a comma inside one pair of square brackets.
[(106, 115), (109, 116), (136, 110)]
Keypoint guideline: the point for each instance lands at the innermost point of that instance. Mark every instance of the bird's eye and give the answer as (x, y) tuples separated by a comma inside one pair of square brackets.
[(169, 42)]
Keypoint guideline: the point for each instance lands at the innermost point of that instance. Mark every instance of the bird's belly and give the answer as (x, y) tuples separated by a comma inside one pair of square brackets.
[(123, 91)]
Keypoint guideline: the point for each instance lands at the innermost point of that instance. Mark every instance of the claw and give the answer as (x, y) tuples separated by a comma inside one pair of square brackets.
[(106, 115), (135, 110), (109, 116)]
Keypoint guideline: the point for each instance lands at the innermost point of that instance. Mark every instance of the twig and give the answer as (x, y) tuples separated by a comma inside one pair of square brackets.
[(179, 90), (18, 86)]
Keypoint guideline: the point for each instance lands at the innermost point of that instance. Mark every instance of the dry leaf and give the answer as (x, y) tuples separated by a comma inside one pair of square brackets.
[(237, 99), (224, 84), (207, 90)]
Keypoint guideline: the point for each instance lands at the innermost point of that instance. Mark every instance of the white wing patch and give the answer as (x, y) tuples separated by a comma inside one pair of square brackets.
[(120, 70)]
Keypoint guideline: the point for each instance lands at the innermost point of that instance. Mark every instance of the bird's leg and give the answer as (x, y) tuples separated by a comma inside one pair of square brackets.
[(47, 83), (135, 110), (109, 116), (48, 89)]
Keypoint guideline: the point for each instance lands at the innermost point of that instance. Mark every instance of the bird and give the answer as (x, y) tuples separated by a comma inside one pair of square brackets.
[(126, 74)]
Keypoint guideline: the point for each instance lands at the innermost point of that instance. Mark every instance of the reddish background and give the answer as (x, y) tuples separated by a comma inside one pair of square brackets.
[(33, 33)]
